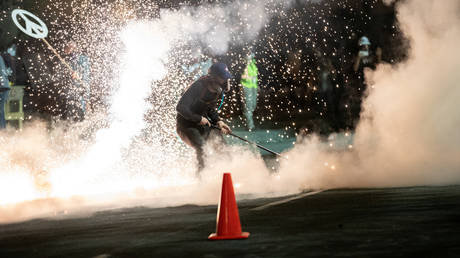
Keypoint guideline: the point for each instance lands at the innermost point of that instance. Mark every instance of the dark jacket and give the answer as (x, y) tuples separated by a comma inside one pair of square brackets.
[(200, 100), (19, 74)]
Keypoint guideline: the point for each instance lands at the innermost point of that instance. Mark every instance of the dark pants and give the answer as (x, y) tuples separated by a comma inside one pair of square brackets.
[(195, 135)]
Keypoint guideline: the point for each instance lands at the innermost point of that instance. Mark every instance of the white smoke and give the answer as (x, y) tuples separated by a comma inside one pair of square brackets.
[(218, 26), (115, 161), (408, 134), (142, 64)]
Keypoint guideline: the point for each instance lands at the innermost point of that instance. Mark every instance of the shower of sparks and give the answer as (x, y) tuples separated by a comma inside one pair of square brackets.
[(128, 141)]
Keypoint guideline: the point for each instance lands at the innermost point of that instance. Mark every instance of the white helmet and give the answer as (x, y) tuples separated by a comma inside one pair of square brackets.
[(363, 41)]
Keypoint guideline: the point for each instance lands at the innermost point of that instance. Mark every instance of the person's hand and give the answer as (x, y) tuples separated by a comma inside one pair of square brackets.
[(224, 128), (204, 121), (245, 74)]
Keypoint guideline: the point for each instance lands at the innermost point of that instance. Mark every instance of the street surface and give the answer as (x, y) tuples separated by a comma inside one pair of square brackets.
[(393, 222)]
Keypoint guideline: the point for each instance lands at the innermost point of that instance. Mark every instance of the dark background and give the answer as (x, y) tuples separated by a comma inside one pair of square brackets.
[(290, 51)]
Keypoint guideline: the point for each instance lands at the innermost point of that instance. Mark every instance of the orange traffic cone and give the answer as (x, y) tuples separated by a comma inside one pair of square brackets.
[(228, 219)]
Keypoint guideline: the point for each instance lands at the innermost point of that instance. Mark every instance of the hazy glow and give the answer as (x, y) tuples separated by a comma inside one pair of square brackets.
[(133, 155), (17, 187)]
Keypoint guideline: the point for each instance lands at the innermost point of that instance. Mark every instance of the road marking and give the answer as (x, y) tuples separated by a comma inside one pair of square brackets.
[(271, 204)]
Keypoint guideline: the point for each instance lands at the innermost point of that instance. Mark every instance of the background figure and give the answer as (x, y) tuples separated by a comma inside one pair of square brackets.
[(79, 93), (365, 59), (10, 62), (4, 90), (17, 74), (249, 81)]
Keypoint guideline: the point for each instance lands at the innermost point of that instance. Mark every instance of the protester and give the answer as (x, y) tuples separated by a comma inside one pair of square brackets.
[(4, 91), (15, 66), (79, 91), (249, 81), (197, 109), (10, 62), (365, 59)]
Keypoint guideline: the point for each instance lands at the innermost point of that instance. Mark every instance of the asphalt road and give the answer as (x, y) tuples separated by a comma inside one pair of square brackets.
[(396, 222)]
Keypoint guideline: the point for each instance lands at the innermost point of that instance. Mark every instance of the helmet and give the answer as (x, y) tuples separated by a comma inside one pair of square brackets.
[(220, 70), (363, 41)]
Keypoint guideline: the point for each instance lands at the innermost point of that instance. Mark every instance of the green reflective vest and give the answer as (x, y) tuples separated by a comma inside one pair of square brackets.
[(249, 78)]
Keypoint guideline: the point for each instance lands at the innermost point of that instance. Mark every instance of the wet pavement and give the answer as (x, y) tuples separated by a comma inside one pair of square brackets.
[(393, 222)]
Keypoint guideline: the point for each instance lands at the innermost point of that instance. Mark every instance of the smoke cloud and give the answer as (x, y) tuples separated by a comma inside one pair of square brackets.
[(72, 162), (408, 134)]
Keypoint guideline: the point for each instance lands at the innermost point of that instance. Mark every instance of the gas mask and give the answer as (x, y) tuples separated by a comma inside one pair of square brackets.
[(363, 53)]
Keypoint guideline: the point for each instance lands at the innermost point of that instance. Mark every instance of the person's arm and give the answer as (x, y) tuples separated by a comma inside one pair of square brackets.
[(356, 64), (186, 102), (256, 74), (378, 53), (215, 119), (213, 115), (12, 68), (245, 74)]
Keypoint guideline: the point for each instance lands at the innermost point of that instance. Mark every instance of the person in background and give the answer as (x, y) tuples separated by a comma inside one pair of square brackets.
[(79, 93), (249, 81), (365, 59), (15, 66), (10, 62), (4, 91), (196, 109)]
